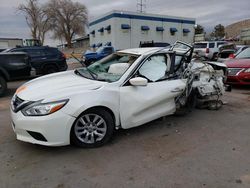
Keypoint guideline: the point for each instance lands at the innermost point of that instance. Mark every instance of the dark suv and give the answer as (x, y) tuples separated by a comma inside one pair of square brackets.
[(44, 59), (13, 66)]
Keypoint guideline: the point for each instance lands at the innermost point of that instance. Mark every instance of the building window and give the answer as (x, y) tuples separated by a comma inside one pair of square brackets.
[(99, 45), (93, 33), (101, 30), (159, 29), (145, 28), (173, 30), (185, 32), (125, 26), (108, 29)]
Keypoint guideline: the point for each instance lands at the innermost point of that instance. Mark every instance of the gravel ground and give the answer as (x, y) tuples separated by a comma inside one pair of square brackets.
[(202, 149)]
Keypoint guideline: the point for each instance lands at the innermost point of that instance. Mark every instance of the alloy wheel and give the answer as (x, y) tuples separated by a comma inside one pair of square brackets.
[(90, 128)]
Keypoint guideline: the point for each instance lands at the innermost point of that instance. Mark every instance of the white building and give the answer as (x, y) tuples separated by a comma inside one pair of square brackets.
[(10, 43), (245, 34), (123, 29)]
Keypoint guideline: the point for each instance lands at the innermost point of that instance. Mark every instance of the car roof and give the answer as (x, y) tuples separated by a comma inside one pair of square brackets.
[(139, 51), (209, 42)]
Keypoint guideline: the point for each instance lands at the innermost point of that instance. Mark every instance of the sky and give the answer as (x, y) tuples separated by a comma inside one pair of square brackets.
[(206, 12)]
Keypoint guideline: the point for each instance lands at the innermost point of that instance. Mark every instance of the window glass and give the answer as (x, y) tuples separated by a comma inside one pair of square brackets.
[(200, 45), (154, 68), (211, 45), (17, 50), (220, 43), (108, 50), (51, 51), (109, 69), (35, 52), (244, 54)]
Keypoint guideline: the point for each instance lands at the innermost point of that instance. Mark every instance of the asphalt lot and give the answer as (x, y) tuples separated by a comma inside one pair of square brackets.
[(202, 149)]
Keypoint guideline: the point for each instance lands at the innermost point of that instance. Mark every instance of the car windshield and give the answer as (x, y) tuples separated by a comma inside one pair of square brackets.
[(109, 69), (99, 50), (245, 54), (7, 50)]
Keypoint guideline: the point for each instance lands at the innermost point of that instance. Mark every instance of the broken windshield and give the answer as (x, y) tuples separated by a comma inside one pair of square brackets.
[(109, 69)]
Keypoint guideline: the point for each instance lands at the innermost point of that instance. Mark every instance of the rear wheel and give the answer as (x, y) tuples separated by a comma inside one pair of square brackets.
[(49, 69), (3, 86), (215, 57), (92, 128)]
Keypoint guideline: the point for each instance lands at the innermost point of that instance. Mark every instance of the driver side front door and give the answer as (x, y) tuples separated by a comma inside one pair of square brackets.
[(142, 104)]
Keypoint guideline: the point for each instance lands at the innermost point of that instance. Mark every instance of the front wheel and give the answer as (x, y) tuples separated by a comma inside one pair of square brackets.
[(92, 128)]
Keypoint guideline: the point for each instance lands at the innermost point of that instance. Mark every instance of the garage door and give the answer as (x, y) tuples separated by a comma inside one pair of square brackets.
[(4, 44)]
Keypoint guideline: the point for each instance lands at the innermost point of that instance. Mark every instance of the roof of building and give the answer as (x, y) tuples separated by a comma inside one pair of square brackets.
[(10, 38), (141, 16)]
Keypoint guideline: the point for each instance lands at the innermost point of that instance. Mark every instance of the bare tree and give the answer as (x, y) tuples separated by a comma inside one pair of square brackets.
[(67, 18), (36, 19), (199, 29)]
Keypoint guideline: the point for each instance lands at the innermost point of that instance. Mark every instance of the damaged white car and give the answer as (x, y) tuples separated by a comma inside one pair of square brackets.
[(124, 90)]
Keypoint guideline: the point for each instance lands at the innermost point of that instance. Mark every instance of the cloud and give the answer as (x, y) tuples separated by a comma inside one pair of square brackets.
[(207, 13)]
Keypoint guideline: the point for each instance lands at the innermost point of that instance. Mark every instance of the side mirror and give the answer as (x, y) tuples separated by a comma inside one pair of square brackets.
[(138, 81)]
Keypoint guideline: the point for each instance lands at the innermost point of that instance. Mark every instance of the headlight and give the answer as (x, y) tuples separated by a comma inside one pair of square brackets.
[(43, 109), (247, 70)]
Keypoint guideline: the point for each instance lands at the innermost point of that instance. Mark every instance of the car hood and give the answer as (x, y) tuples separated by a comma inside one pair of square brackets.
[(58, 85), (238, 63)]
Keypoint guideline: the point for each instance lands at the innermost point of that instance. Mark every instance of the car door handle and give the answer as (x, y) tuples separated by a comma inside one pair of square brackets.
[(44, 58), (176, 90)]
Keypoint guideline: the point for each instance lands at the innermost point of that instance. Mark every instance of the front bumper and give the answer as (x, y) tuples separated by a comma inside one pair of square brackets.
[(55, 128), (238, 80)]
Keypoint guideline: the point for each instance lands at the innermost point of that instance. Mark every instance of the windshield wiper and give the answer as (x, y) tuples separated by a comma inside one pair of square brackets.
[(93, 75), (78, 73)]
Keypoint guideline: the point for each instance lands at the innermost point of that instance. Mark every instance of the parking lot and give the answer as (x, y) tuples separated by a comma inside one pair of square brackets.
[(202, 149)]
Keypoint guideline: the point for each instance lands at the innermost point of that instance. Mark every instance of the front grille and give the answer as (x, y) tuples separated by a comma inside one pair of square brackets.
[(233, 71)]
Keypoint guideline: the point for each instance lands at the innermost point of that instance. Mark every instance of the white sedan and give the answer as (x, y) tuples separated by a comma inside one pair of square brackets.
[(84, 107)]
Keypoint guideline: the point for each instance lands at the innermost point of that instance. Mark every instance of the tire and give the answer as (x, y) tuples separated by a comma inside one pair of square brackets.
[(215, 57), (49, 69), (3, 86), (86, 132)]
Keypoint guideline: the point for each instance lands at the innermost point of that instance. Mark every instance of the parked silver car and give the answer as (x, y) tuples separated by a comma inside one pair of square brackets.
[(208, 49)]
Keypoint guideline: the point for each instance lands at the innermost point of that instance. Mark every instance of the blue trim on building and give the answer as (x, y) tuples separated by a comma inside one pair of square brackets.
[(125, 26), (140, 17), (145, 28), (92, 32), (160, 29), (186, 31), (173, 30)]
